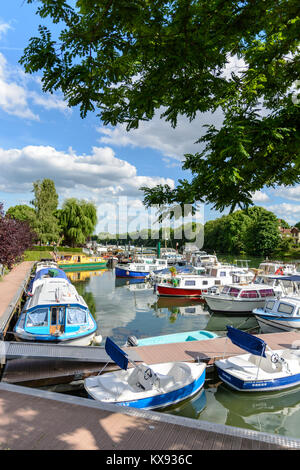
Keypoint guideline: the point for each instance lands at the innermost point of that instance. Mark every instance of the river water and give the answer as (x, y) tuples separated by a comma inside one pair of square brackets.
[(122, 309)]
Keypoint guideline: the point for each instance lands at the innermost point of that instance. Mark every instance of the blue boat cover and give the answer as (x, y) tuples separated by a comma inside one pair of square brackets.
[(53, 272), (248, 342), (116, 353)]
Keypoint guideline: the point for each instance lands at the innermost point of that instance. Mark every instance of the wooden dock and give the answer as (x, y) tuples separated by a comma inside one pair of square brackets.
[(11, 291), (32, 419)]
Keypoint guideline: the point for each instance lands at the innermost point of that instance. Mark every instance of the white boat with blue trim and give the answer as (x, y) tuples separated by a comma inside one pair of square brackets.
[(261, 369), (54, 312), (141, 268), (280, 314), (142, 386)]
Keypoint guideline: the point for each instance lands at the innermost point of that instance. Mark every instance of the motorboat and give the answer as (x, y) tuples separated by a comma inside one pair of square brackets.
[(261, 368), (180, 337), (277, 267), (169, 273), (141, 269), (186, 285), (239, 298), (54, 312), (142, 386), (279, 314)]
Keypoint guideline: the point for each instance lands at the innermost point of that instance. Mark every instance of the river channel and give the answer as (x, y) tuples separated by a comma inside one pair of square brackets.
[(122, 309)]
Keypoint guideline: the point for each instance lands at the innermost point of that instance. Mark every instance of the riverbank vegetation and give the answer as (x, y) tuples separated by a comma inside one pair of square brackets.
[(23, 226)]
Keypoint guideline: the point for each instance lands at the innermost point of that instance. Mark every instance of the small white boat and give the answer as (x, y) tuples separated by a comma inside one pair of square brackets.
[(141, 386), (261, 369), (280, 314), (235, 298)]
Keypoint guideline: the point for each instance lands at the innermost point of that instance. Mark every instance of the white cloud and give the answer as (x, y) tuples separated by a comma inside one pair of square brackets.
[(260, 196), (100, 177), (288, 212), (4, 27), (16, 96), (292, 193), (158, 134)]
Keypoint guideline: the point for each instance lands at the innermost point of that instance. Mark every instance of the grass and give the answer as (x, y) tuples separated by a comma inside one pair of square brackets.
[(36, 255)]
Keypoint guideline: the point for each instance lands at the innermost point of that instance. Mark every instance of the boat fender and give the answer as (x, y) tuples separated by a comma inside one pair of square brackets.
[(132, 341)]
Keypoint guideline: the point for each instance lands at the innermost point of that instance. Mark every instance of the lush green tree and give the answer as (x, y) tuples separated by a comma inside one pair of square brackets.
[(297, 225), (262, 237), (131, 59), (22, 212), (45, 203), (78, 219)]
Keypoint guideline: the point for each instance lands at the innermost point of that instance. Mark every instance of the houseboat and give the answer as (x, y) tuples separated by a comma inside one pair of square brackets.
[(239, 298), (80, 261), (54, 312)]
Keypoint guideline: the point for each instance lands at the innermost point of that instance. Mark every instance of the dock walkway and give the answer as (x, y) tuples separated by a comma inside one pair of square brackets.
[(32, 419), (11, 289)]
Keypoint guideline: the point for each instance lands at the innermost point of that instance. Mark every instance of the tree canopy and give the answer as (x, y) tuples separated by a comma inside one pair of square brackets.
[(78, 219), (45, 203), (15, 237), (131, 59)]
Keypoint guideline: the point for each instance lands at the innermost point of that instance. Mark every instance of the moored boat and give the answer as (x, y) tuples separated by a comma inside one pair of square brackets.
[(261, 369), (141, 386), (140, 270), (55, 313), (80, 261), (189, 285), (181, 337), (279, 314), (243, 298)]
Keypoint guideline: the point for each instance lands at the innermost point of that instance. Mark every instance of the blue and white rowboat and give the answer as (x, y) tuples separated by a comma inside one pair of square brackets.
[(260, 370), (141, 386)]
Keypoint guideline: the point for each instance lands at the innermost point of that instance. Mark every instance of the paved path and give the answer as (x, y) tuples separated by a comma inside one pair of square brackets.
[(11, 283)]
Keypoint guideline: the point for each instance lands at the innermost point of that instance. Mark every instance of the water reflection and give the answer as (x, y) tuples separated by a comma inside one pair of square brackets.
[(275, 412), (190, 408)]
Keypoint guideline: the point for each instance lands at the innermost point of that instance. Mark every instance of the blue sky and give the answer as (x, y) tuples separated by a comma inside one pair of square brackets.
[(40, 137)]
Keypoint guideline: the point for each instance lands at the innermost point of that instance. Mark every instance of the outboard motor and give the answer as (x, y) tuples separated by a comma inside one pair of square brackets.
[(132, 341)]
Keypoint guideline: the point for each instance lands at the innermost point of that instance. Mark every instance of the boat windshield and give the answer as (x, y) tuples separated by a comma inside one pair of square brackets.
[(234, 292), (76, 316), (37, 318)]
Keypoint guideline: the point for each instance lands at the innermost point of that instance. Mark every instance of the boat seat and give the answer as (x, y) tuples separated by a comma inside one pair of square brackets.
[(178, 373), (142, 377)]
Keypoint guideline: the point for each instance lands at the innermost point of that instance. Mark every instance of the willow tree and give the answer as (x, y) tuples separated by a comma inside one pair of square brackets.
[(78, 219), (130, 59)]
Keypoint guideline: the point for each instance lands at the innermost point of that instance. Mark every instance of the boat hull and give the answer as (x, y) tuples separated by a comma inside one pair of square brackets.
[(79, 341), (130, 274), (178, 292), (258, 385), (269, 324), (82, 266), (233, 305)]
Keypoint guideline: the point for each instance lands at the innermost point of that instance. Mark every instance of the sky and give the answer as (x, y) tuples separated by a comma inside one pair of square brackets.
[(40, 137)]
